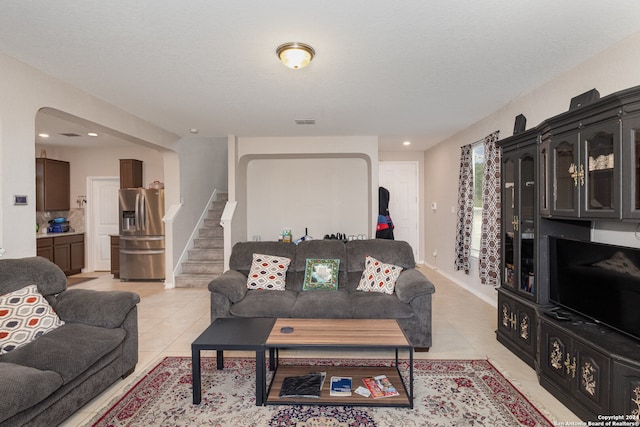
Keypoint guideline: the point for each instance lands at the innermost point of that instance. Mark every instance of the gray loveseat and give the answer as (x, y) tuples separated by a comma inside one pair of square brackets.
[(410, 303), (47, 380)]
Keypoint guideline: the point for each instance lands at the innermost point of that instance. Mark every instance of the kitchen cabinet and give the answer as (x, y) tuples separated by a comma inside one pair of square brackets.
[(45, 248), (130, 173), (115, 256), (67, 252), (52, 185)]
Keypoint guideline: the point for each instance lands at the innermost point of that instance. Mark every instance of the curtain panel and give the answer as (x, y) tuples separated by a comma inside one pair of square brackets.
[(465, 210), (490, 241)]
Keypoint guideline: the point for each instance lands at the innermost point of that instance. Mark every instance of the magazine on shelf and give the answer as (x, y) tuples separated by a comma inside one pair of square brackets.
[(309, 385), (380, 386), (340, 386)]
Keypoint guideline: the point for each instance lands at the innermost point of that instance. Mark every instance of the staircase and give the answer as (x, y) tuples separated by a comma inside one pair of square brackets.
[(206, 260)]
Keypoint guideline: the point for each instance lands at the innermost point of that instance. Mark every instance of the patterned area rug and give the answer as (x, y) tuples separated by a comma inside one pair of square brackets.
[(447, 393)]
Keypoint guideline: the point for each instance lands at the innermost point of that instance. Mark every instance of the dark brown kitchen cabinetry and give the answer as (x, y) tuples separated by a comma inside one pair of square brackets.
[(115, 256), (131, 173), (67, 252), (45, 248), (52, 185)]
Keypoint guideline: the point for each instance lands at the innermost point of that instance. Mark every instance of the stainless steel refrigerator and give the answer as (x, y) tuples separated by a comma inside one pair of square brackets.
[(142, 251)]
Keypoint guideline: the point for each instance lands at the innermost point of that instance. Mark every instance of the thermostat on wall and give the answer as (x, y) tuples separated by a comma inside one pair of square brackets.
[(20, 200)]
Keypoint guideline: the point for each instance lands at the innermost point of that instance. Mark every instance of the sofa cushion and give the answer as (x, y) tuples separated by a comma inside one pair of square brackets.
[(68, 350), (268, 272), (22, 387), (323, 305), (394, 252), (375, 305), (24, 316), (265, 303), (378, 276)]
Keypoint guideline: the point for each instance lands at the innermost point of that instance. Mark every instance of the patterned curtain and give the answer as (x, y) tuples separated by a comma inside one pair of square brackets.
[(465, 209), (490, 240)]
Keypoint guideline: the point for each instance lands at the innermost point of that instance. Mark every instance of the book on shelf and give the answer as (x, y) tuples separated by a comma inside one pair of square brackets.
[(380, 386), (340, 386), (309, 385)]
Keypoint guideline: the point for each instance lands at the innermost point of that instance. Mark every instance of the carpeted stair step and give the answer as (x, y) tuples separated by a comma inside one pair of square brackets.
[(206, 254), (202, 267), (216, 231), (208, 243)]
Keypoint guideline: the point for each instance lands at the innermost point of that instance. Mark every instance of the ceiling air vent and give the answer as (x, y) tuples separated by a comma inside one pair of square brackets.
[(70, 134), (305, 121)]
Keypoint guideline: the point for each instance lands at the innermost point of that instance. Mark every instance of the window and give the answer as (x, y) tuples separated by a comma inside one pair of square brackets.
[(478, 169)]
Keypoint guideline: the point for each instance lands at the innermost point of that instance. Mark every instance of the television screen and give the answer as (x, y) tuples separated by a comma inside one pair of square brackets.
[(596, 280)]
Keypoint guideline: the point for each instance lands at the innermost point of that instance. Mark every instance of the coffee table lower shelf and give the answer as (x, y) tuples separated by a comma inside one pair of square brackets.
[(356, 374)]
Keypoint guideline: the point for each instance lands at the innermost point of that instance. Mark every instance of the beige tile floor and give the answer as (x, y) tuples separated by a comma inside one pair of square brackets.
[(170, 319)]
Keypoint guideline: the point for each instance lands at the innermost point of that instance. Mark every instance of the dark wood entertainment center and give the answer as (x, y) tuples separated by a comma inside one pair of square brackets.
[(577, 167)]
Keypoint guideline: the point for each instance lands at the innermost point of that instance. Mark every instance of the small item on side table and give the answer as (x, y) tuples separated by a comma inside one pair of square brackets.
[(309, 385)]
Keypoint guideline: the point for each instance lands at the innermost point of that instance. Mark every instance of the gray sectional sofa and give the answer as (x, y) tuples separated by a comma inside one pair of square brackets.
[(47, 380), (410, 302)]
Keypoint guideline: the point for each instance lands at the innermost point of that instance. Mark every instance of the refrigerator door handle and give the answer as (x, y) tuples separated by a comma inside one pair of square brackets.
[(137, 212), (143, 212), (142, 252)]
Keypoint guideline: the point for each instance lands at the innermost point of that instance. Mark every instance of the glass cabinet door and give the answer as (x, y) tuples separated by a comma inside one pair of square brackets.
[(566, 176), (509, 222), (600, 191), (527, 230), (631, 192)]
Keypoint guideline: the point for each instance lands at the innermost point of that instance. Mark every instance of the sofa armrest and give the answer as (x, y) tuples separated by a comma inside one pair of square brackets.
[(231, 284), (107, 309), (411, 284)]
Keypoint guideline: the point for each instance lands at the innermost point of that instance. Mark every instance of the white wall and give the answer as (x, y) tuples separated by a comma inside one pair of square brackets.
[(332, 198), (203, 169), (615, 69), (304, 175), (24, 91)]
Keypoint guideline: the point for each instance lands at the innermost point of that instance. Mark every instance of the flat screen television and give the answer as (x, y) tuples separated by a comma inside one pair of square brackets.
[(598, 281)]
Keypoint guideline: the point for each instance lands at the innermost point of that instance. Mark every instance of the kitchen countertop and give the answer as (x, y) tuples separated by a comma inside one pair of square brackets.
[(67, 233)]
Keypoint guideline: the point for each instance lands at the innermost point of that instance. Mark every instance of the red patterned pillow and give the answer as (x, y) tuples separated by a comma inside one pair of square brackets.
[(268, 272), (378, 276), (24, 316)]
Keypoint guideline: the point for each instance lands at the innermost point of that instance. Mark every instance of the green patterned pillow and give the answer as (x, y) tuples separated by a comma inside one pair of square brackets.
[(321, 274), (24, 316)]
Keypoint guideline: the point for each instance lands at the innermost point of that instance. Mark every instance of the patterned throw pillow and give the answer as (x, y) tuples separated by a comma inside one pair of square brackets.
[(268, 272), (321, 274), (24, 316), (378, 276)]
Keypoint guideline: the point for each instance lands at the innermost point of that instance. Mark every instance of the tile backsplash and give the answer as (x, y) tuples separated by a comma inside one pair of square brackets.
[(76, 218)]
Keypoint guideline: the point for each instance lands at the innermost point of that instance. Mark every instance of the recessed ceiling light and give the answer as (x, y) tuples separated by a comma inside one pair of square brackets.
[(43, 135), (406, 143), (92, 134), (194, 131)]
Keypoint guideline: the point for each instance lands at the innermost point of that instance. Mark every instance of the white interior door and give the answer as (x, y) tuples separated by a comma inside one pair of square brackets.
[(401, 179), (102, 219)]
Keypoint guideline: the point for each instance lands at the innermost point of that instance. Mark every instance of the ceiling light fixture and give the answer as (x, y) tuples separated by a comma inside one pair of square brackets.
[(43, 135), (92, 134), (406, 143), (295, 55)]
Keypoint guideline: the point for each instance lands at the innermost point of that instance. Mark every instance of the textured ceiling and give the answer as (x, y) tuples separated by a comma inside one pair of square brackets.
[(411, 69)]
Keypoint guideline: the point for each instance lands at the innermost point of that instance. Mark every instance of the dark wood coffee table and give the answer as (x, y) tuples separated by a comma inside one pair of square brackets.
[(233, 334)]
